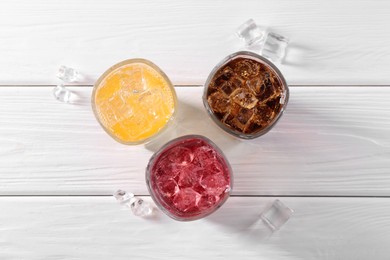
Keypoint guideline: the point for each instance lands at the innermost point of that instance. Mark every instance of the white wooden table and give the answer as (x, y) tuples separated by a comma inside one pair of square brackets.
[(328, 158)]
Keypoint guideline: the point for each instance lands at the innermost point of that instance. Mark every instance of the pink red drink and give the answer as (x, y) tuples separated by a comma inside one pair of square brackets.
[(189, 178)]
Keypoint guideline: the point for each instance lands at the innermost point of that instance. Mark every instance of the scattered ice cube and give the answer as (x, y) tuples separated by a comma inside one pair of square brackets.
[(137, 205), (67, 74), (140, 208), (276, 215), (122, 196), (268, 44), (62, 94), (251, 33), (275, 47)]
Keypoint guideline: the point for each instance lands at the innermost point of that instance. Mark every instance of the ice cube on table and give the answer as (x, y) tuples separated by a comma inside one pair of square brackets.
[(251, 33), (62, 94), (275, 47), (276, 215), (122, 196), (137, 205), (269, 44), (67, 74), (140, 208)]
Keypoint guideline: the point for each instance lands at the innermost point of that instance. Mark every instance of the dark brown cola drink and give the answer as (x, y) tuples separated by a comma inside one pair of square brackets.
[(245, 95)]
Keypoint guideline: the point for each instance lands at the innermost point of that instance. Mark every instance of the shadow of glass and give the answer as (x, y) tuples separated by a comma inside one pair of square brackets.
[(243, 219), (191, 120), (298, 55)]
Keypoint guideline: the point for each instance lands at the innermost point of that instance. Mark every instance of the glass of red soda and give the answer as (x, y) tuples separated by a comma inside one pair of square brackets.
[(189, 178)]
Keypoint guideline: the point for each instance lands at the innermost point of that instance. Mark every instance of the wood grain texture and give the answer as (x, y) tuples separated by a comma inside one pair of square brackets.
[(331, 141), (97, 228), (332, 42)]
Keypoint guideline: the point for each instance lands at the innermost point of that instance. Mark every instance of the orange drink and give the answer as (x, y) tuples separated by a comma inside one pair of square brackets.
[(133, 101)]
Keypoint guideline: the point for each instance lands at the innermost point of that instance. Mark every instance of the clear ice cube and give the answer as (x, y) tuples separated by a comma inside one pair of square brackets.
[(269, 44), (247, 69), (186, 199), (62, 94), (227, 88), (218, 102), (244, 98), (256, 85), (263, 114), (137, 205), (181, 155), (275, 47), (134, 81), (276, 215), (215, 184), (251, 33), (204, 156), (208, 201), (67, 74), (122, 196), (225, 75), (189, 176), (168, 187), (140, 208), (283, 97), (244, 115)]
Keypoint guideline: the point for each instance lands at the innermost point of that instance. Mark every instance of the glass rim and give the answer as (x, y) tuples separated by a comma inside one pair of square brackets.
[(262, 60), (157, 154), (117, 66)]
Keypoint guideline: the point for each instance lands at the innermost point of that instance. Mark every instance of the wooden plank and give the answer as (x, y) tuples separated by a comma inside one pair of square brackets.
[(98, 228), (332, 42), (331, 141)]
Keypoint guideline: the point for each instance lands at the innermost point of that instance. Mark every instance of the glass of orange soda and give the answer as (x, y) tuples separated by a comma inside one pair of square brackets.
[(134, 101)]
